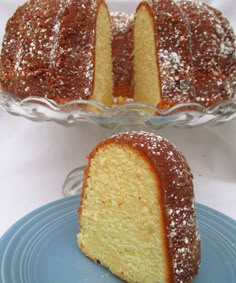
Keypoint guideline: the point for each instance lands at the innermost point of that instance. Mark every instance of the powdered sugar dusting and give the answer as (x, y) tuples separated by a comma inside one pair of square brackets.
[(121, 22), (210, 48), (41, 47), (196, 50), (122, 53), (173, 51), (63, 4), (18, 59)]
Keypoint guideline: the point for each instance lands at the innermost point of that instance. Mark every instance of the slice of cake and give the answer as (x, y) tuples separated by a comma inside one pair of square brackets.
[(59, 49), (137, 210)]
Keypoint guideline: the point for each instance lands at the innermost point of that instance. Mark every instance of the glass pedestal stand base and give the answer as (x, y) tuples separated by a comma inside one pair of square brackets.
[(73, 183)]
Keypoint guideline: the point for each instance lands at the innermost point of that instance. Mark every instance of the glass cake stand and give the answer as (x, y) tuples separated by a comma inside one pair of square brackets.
[(129, 116), (119, 117)]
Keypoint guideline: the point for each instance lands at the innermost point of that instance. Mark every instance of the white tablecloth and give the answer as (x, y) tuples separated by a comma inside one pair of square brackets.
[(36, 157)]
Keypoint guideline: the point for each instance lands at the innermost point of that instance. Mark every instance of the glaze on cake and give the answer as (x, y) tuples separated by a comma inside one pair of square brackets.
[(213, 50), (168, 52), (166, 71), (122, 54), (184, 52), (137, 210), (59, 49)]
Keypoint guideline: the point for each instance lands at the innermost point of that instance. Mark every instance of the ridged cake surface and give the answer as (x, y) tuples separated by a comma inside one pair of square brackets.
[(51, 49), (167, 52), (193, 47)]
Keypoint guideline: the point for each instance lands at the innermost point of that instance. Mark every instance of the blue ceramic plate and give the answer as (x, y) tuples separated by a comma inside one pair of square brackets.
[(41, 248)]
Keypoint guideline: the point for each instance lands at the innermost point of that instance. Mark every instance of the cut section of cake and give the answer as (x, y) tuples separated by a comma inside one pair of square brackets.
[(168, 52), (137, 210), (184, 51), (162, 54), (60, 50)]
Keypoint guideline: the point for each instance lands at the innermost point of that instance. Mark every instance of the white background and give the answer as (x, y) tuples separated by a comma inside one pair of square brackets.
[(36, 157)]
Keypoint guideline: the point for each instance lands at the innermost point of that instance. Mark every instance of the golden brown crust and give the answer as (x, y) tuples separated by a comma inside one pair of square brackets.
[(53, 51), (196, 52), (174, 54), (210, 60), (227, 51), (8, 54), (175, 180), (122, 54)]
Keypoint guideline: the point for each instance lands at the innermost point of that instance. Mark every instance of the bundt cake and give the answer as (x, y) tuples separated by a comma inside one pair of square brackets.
[(137, 210), (122, 54), (59, 49), (184, 51), (169, 52)]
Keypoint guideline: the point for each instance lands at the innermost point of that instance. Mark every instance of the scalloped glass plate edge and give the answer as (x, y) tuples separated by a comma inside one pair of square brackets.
[(125, 115)]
